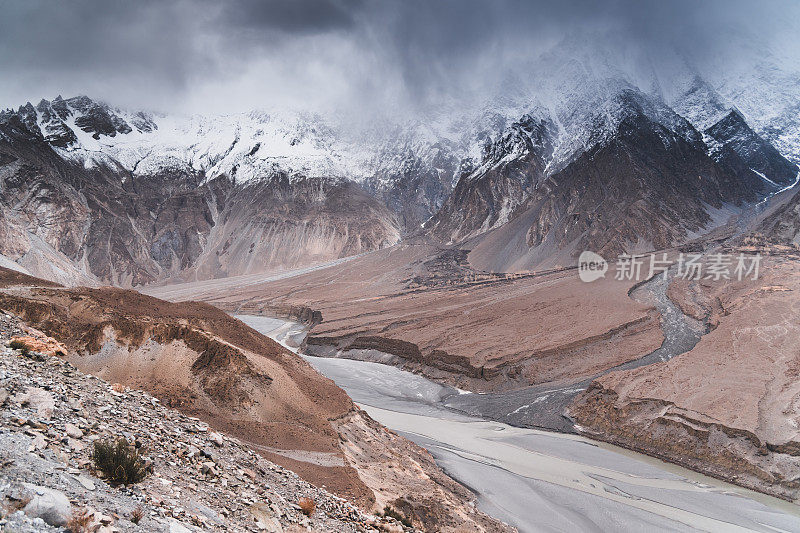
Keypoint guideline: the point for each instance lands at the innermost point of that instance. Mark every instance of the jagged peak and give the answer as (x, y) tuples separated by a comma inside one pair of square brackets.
[(81, 100), (733, 118), (735, 113)]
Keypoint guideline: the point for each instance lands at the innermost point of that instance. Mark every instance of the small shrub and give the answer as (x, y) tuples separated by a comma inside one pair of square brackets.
[(397, 515), (119, 461), (307, 506), (137, 515), (79, 521), (19, 345)]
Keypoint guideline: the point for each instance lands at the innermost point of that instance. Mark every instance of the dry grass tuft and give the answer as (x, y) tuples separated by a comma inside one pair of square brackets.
[(137, 515), (397, 515), (307, 505), (79, 521), (19, 345)]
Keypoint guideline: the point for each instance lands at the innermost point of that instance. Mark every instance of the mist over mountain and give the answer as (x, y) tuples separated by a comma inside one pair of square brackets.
[(450, 131), (386, 187), (396, 58)]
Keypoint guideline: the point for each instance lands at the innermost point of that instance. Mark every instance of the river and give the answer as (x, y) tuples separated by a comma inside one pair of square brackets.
[(539, 480), (543, 406)]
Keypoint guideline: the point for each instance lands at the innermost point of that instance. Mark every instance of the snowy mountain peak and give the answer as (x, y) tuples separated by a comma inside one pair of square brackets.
[(700, 103), (577, 108)]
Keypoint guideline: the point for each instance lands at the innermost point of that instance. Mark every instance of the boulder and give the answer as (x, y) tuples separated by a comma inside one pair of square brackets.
[(216, 438), (73, 431), (50, 505), (39, 399)]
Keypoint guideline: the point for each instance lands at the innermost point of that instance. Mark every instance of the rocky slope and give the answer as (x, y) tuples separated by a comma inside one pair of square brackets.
[(782, 225), (199, 360), (50, 415)]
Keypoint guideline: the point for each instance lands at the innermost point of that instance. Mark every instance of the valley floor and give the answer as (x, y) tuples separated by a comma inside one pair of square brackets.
[(538, 480), (702, 374)]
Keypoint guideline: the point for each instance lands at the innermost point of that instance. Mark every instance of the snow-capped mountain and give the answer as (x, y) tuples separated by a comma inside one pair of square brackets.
[(396, 161), (243, 146), (671, 148), (86, 197), (579, 149)]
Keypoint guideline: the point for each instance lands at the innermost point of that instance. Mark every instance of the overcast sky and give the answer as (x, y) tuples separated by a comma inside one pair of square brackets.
[(207, 55)]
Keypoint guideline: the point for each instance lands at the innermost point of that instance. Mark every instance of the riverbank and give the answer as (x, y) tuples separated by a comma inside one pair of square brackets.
[(540, 406), (729, 406), (538, 480)]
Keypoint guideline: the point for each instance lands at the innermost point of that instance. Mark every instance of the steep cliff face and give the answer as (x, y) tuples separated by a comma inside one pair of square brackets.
[(90, 221), (646, 182), (485, 198), (735, 144), (287, 224)]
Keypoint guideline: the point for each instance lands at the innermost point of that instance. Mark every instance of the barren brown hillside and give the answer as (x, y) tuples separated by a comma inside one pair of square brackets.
[(207, 364), (438, 316)]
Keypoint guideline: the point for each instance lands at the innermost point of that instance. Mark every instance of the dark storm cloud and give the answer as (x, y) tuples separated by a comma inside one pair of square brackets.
[(289, 15), (63, 46), (201, 54)]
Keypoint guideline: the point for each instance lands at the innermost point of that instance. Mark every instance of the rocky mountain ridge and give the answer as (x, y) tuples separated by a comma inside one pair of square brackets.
[(155, 197), (642, 162), (75, 224)]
